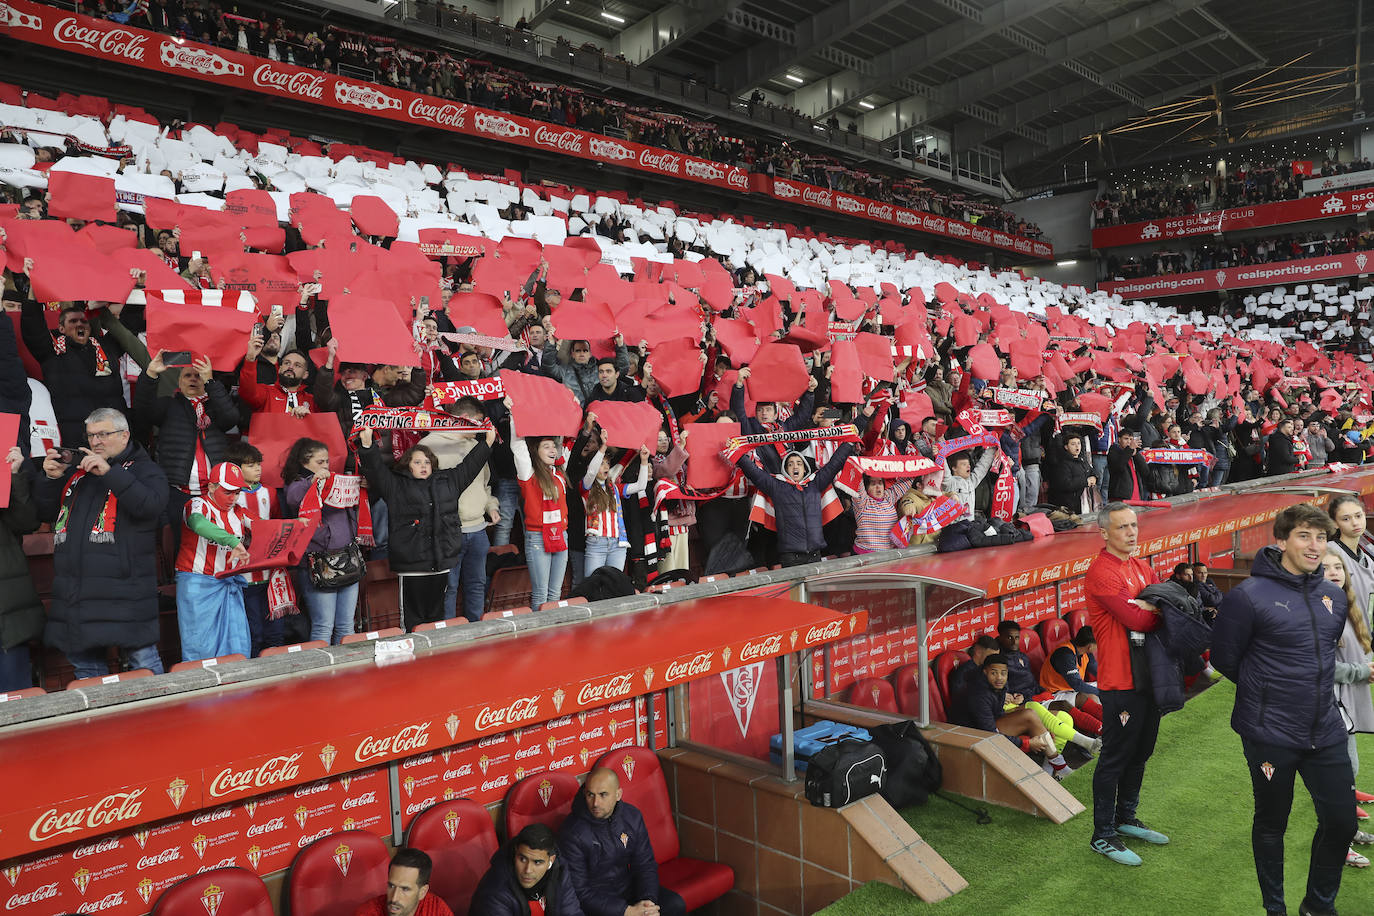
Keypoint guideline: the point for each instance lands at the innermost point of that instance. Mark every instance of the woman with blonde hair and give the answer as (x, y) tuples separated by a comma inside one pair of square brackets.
[(1354, 672)]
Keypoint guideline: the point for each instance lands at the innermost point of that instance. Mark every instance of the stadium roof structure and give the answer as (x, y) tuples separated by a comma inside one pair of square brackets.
[(1048, 84)]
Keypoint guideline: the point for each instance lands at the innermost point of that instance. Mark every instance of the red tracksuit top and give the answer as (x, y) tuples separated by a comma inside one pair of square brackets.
[(1108, 588)]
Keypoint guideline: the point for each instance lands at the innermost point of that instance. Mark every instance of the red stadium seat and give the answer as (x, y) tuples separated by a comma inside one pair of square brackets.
[(1030, 644), (509, 587), (1052, 632), (641, 778), (508, 612), (439, 624), (460, 838), (562, 602), (207, 662), (544, 798), (294, 647), (907, 686), (222, 891), (1075, 619), (938, 708), (336, 874), (371, 635), (945, 663), (22, 694), (873, 693), (134, 675)]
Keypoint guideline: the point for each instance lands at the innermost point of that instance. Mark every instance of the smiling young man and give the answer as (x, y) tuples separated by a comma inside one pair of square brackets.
[(1275, 637)]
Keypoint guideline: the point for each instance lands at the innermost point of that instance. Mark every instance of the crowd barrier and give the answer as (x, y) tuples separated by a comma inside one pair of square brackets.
[(128, 787), (113, 43)]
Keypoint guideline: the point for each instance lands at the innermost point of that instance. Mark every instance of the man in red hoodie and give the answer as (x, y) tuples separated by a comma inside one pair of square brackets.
[(1130, 718)]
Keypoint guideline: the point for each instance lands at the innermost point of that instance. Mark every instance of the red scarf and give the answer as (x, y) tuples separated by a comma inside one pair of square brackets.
[(1004, 490), (200, 465), (555, 528), (742, 445), (103, 531), (316, 495), (102, 362)]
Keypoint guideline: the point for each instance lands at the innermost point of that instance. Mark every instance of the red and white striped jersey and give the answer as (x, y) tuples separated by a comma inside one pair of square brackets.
[(258, 503), (197, 555)]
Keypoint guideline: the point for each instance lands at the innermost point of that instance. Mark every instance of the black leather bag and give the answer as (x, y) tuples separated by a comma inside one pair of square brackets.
[(845, 772), (331, 570)]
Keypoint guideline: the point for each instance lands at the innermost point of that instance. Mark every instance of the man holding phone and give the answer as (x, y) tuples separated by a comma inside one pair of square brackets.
[(105, 509)]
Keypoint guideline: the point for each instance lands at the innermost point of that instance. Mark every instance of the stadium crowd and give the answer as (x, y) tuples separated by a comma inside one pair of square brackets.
[(1260, 182), (451, 75), (1292, 246)]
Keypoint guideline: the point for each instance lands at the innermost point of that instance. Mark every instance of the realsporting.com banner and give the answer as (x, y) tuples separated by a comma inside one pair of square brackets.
[(1322, 206), (1277, 273), (116, 43)]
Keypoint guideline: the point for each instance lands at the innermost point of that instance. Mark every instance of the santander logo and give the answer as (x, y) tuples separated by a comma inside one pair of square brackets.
[(664, 162), (608, 149), (301, 83), (119, 42), (447, 115), (569, 141)]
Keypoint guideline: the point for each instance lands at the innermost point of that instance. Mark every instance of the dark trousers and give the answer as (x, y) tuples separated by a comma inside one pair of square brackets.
[(424, 598), (670, 903), (1130, 725), (799, 559), (1329, 777), (263, 631)]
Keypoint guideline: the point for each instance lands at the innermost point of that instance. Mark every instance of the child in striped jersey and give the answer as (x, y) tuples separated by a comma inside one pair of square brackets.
[(257, 501), (602, 494)]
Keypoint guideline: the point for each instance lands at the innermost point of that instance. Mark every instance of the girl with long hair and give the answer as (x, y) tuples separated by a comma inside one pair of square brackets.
[(312, 491), (1354, 671), (544, 494)]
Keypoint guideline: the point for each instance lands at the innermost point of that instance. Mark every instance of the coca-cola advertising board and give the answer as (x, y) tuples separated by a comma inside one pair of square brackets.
[(116, 43), (1275, 273), (123, 873), (1304, 209)]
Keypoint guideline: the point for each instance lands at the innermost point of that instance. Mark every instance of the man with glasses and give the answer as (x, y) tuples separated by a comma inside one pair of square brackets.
[(104, 502)]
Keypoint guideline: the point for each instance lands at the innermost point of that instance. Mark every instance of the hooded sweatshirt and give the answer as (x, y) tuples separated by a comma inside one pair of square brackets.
[(797, 505)]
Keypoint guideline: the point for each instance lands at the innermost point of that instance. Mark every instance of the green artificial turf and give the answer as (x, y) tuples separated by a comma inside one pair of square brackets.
[(1196, 790)]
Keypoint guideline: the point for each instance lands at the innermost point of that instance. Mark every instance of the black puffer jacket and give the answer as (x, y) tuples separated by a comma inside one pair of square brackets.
[(500, 894), (175, 418), (426, 528), (610, 862), (1275, 636), (21, 613), (1066, 477), (797, 507), (105, 591)]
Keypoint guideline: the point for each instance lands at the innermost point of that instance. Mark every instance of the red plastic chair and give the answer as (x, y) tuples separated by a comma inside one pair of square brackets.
[(22, 694), (336, 874), (641, 779), (508, 612), (873, 693), (945, 663), (222, 891), (1030, 644), (439, 624), (544, 798), (294, 647), (134, 675), (460, 838), (372, 634), (563, 602), (938, 707), (907, 685), (1052, 632), (1076, 619), (509, 587), (207, 662)]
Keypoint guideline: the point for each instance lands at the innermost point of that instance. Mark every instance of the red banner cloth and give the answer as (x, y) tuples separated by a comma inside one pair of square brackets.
[(777, 373), (72, 195), (706, 469), (219, 332), (628, 424), (541, 406), (275, 433), (370, 331), (274, 543)]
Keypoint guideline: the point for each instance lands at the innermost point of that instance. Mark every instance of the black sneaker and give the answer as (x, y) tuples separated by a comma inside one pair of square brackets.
[(1305, 910)]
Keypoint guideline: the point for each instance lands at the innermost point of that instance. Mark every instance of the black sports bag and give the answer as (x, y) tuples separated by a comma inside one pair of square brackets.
[(845, 772)]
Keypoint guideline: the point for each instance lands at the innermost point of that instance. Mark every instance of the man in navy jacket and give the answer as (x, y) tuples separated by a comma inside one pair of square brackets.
[(526, 873), (1275, 637), (609, 858)]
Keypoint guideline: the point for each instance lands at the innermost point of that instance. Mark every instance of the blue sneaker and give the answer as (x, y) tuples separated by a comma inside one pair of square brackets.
[(1134, 828), (1114, 849)]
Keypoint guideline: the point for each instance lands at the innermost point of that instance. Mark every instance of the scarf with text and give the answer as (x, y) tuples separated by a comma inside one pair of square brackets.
[(937, 515), (416, 418), (1178, 456), (1004, 490), (103, 531), (954, 446), (479, 389), (1078, 419), (1023, 398), (339, 491), (739, 446)]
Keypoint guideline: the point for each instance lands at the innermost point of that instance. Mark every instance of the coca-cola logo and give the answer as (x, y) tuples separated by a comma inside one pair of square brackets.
[(695, 168), (445, 115), (311, 788), (935, 224), (737, 179), (280, 769), (364, 97), (420, 761), (618, 686), (662, 161), (491, 741), (197, 60), (410, 738), (498, 126), (301, 83), (525, 709), (820, 634), (498, 783), (699, 664), (111, 811), (534, 750), (560, 722), (109, 844), (464, 770), (849, 204), (226, 862), (562, 763), (592, 733), (367, 798), (609, 149), (1020, 581), (569, 141), (621, 706), (119, 42), (752, 650), (785, 191), (37, 895), (980, 235), (104, 903), (420, 805), (307, 840), (818, 197), (883, 212), (276, 823), (166, 857), (206, 817)]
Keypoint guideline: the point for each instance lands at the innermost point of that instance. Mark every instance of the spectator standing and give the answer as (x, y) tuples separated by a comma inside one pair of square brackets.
[(603, 493), (1130, 717), (312, 491), (1280, 454), (105, 508), (797, 496), (1068, 475), (80, 369), (210, 611), (1275, 637), (264, 605), (21, 611), (426, 523), (544, 490)]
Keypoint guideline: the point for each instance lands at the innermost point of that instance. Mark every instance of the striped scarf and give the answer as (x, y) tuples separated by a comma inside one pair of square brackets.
[(103, 531)]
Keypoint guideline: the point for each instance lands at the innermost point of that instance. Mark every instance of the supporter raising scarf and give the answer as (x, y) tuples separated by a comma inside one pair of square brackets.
[(797, 497)]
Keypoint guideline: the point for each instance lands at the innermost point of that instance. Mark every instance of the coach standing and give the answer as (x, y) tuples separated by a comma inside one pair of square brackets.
[(1130, 717), (1275, 637)]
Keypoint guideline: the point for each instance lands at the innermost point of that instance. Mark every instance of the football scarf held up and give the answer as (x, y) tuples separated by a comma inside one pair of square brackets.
[(415, 418), (479, 389), (739, 446), (1178, 456)]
